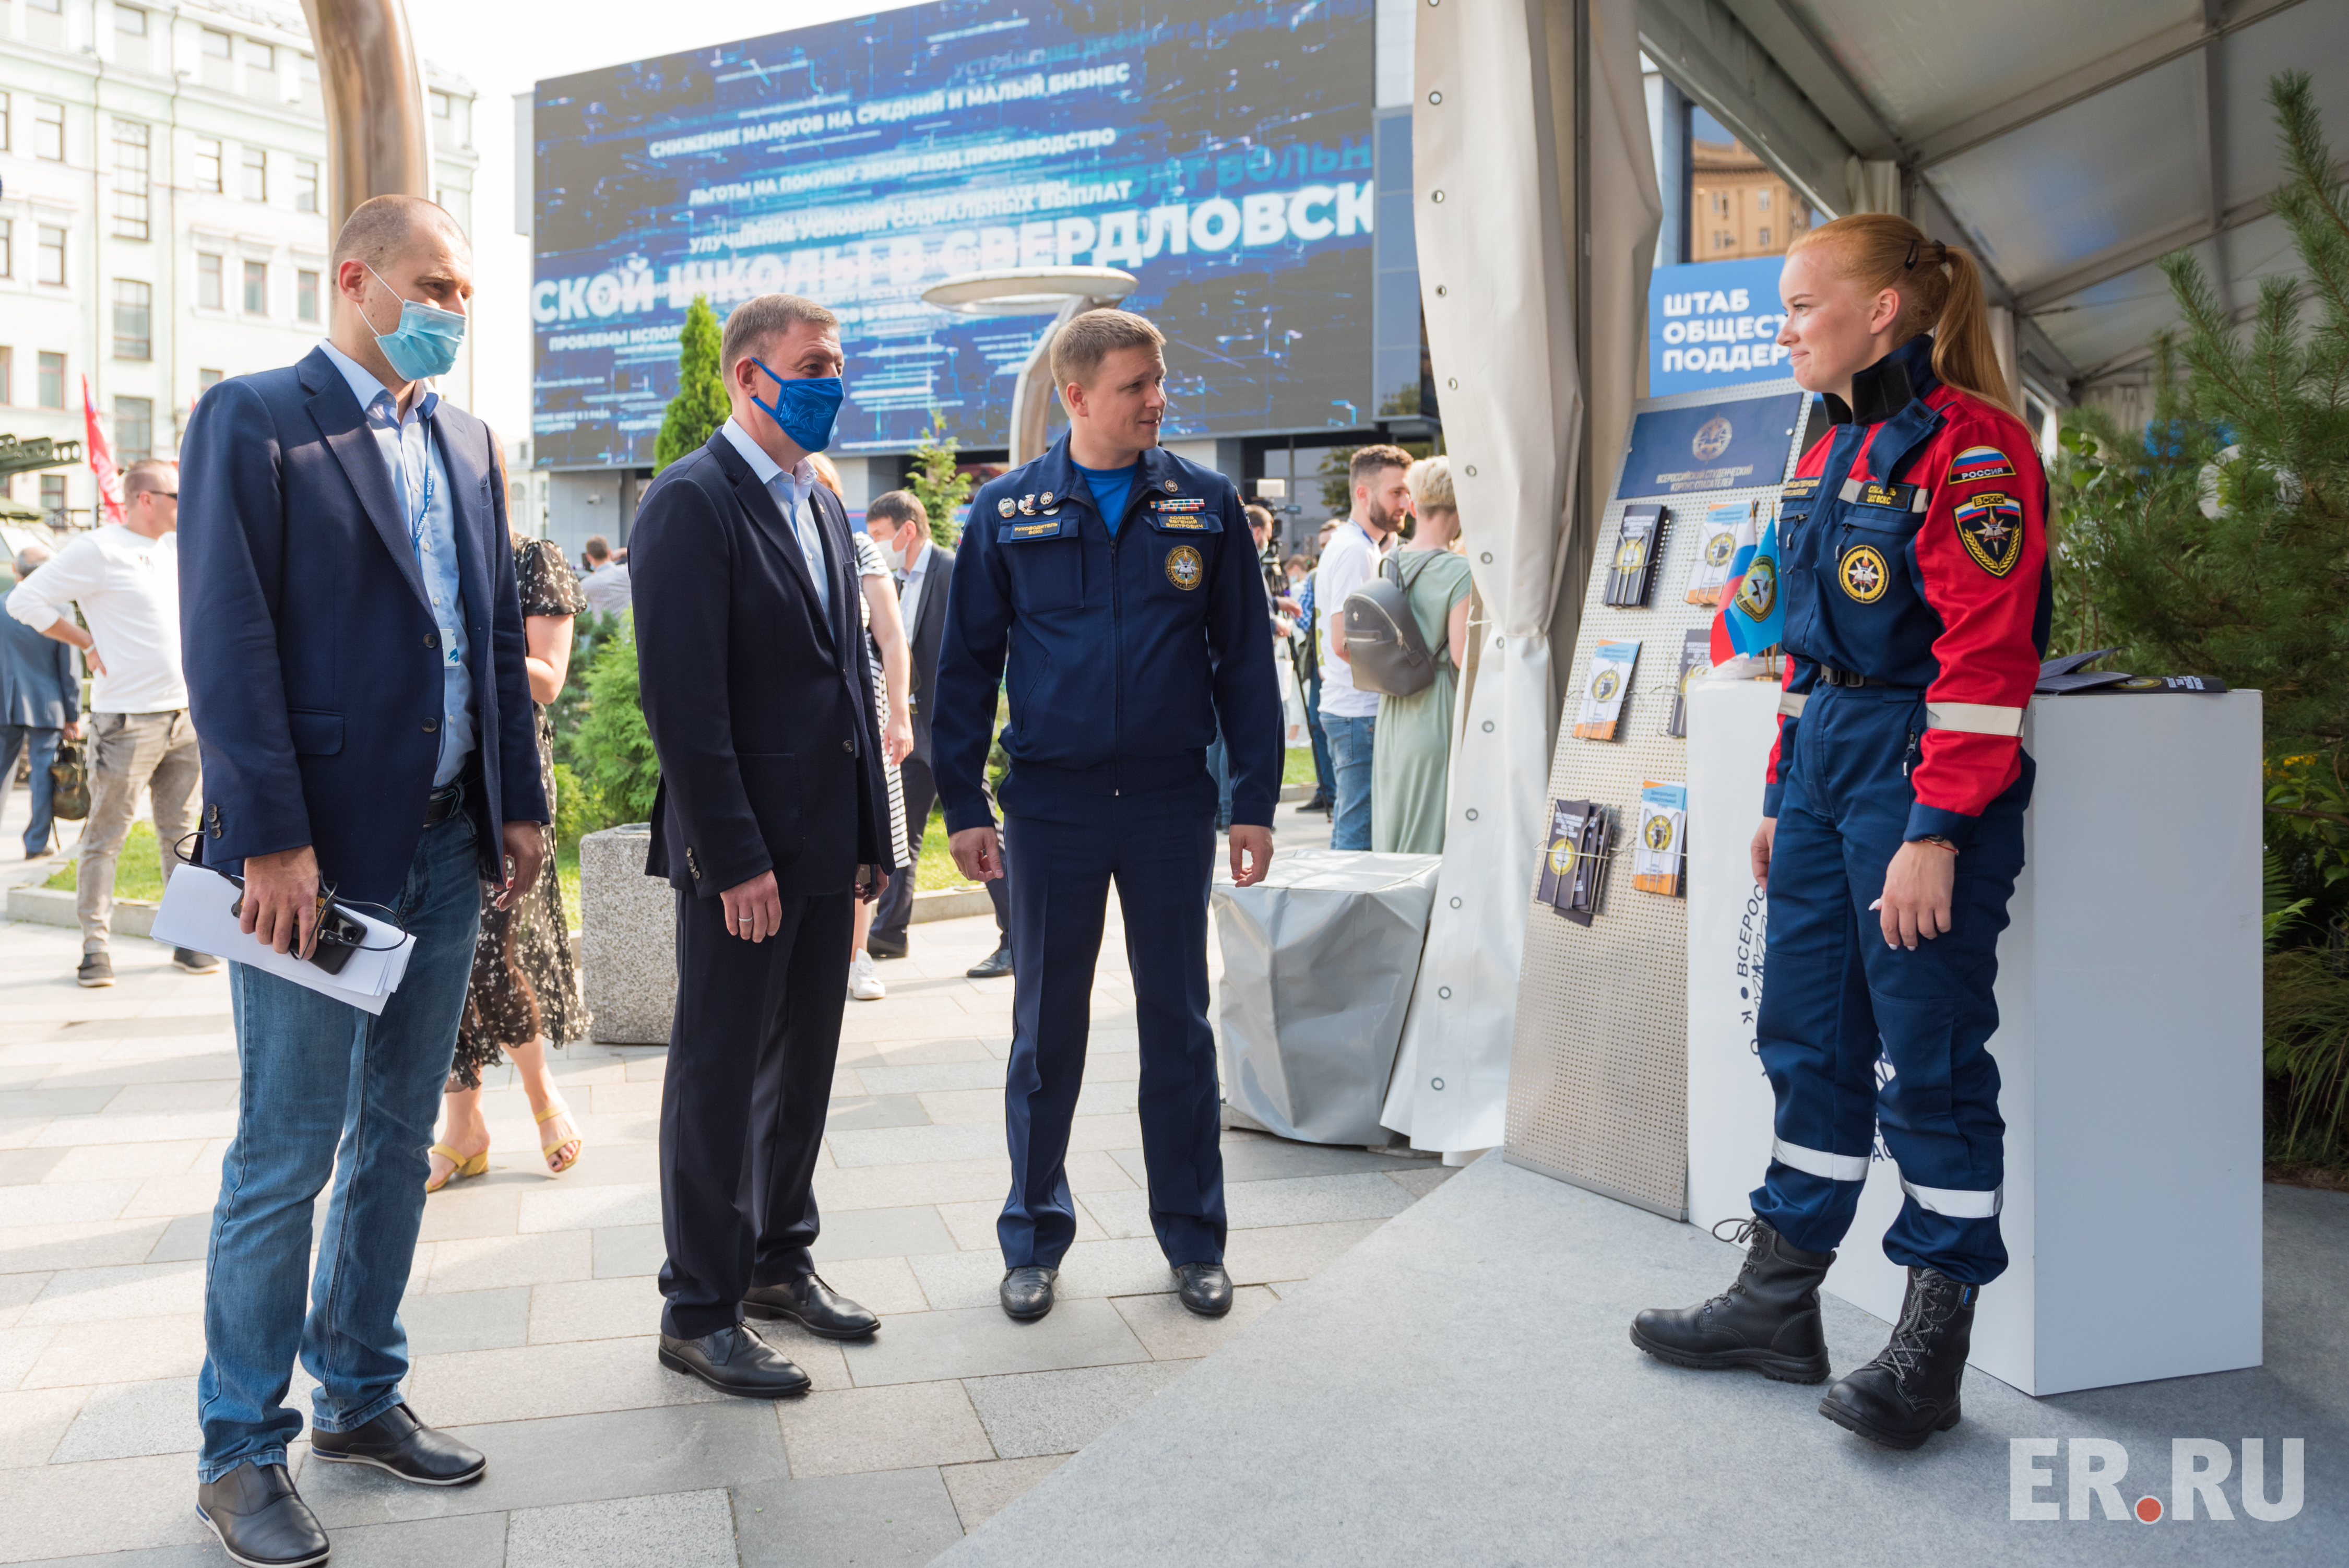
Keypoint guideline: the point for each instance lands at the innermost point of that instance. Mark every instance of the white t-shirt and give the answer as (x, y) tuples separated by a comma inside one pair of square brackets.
[(1349, 562), (128, 586)]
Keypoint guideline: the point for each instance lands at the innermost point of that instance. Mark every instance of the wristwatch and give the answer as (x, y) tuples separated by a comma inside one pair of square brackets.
[(1939, 843)]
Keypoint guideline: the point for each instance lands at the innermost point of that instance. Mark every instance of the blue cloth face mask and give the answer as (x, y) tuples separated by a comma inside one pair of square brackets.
[(425, 342), (805, 407)]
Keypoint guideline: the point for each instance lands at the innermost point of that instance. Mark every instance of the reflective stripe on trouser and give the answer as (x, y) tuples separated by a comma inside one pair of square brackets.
[(1159, 849), (1836, 999)]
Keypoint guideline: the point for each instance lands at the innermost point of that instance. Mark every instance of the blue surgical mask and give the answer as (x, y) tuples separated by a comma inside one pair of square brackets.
[(805, 407), (425, 342)]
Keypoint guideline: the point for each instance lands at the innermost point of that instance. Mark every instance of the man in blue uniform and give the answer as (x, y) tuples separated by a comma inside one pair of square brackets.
[(1122, 583)]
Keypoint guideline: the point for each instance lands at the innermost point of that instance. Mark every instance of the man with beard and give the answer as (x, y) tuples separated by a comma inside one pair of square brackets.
[(1349, 717)]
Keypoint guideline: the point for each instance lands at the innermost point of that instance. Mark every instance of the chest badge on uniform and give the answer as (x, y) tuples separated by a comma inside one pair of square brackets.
[(1863, 573), (1184, 569), (1006, 507), (1758, 593), (1171, 487), (1026, 506), (1979, 463), (1992, 525)]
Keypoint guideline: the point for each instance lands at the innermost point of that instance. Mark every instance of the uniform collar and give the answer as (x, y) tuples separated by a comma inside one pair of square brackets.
[(1056, 472), (1886, 386)]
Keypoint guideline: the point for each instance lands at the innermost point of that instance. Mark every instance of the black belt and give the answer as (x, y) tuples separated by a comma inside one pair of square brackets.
[(442, 804), (1837, 677)]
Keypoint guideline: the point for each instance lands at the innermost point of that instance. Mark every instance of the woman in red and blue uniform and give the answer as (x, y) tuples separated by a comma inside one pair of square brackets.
[(1913, 554)]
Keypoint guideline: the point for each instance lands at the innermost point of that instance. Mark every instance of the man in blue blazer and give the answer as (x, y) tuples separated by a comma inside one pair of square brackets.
[(40, 704), (353, 650), (771, 819)]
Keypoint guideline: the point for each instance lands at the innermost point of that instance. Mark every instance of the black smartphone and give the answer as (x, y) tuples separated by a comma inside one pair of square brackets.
[(337, 936)]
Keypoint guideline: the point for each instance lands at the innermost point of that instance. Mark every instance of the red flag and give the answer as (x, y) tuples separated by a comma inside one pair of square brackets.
[(102, 458)]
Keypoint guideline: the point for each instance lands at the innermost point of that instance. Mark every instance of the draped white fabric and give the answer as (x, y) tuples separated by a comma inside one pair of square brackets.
[(1493, 165)]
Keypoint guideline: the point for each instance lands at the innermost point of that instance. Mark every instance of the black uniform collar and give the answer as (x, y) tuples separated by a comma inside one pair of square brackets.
[(1889, 386)]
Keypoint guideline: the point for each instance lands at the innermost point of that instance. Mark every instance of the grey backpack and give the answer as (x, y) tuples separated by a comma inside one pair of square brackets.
[(1384, 647)]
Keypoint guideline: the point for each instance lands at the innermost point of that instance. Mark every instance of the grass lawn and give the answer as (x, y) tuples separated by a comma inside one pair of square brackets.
[(1297, 767)]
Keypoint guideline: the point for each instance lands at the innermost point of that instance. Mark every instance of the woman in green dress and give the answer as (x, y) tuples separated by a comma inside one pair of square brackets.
[(1411, 765)]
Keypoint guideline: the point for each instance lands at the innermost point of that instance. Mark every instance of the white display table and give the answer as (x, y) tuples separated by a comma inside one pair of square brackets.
[(2128, 1045)]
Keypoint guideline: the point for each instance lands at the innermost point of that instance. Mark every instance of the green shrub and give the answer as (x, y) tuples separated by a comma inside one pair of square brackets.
[(699, 405), (613, 750)]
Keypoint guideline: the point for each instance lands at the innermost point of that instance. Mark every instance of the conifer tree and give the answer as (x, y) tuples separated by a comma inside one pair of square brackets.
[(935, 481), (699, 405)]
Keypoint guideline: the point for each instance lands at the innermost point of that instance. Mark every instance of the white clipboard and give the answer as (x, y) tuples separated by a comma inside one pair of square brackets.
[(195, 914)]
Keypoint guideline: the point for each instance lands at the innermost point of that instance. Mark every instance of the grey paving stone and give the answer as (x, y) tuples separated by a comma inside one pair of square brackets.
[(609, 1165), (110, 1295), (1255, 1157), (486, 1263), (184, 1240), (1059, 1412), (570, 1458), (134, 1351), (594, 1309), (27, 1249), (1256, 1205), (1425, 1178), (970, 1141), (205, 1553), (874, 1110), (461, 1541), (32, 1421), (678, 1530), (981, 1490), (883, 1234), (930, 1077), (537, 1380), (213, 1093), (44, 1103), (115, 1505), (17, 1291), (466, 1320), (20, 1167), (887, 1286), (973, 1224), (1173, 1332), (485, 1206), (586, 1208), (1289, 1252), (624, 1250), (890, 1516), (980, 1342), (849, 1431), (131, 1421), (862, 1054), (1104, 1268)]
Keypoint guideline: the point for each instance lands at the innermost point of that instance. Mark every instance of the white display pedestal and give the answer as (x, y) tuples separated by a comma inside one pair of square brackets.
[(2128, 1045)]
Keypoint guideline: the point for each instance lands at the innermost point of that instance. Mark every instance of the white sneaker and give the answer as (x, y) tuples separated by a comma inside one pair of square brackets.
[(863, 981)]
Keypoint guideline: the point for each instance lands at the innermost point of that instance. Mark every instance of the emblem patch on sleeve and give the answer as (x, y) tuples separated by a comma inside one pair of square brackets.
[(1976, 463), (1184, 569), (1992, 525)]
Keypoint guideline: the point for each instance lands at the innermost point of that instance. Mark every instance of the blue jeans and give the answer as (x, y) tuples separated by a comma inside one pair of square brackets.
[(1324, 778), (15, 740), (1350, 740), (326, 1090)]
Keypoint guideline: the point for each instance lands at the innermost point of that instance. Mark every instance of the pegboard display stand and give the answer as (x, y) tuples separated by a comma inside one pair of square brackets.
[(1598, 1059)]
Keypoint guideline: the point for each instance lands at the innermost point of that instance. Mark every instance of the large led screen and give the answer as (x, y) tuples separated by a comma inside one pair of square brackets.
[(1221, 153)]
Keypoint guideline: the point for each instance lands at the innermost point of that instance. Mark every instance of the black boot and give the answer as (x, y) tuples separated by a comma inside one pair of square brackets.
[(1767, 1319), (1910, 1391)]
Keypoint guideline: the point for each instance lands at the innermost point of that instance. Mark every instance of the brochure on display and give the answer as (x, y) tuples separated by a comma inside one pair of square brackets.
[(1696, 663), (1727, 528), (1658, 852), (1574, 859), (1602, 696), (1638, 544)]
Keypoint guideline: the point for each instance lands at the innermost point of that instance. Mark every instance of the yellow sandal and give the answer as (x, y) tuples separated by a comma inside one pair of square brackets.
[(576, 1144), (460, 1165)]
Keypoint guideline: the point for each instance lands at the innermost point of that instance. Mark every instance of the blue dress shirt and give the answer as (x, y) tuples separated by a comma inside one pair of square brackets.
[(421, 478), (790, 488)]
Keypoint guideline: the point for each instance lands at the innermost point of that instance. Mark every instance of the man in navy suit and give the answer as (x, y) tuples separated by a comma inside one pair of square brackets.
[(354, 648), (771, 817)]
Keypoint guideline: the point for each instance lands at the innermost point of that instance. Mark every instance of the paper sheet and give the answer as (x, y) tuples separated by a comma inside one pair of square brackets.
[(195, 914)]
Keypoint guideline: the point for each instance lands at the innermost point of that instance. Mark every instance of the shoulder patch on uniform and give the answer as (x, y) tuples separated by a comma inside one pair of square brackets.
[(1977, 463), (1992, 525)]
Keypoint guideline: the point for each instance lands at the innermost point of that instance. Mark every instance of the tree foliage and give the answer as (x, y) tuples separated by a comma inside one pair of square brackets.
[(699, 405), (612, 753), (937, 483)]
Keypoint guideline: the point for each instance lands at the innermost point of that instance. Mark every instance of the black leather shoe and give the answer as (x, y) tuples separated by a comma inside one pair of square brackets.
[(261, 1520), (1768, 1319), (734, 1361), (193, 962), (994, 967), (1910, 1391), (881, 946), (1027, 1292), (1205, 1288), (397, 1442), (813, 1306), (1319, 802)]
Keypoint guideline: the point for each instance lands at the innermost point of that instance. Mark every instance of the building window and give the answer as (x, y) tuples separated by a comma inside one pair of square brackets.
[(53, 381), (207, 164), (131, 155), (7, 248), (53, 493), (306, 294), (1762, 204), (216, 45), (305, 185), (257, 174), (129, 19), (259, 56), (50, 263), (208, 379), (439, 102), (1763, 238), (256, 288), (208, 283), (49, 130), (3, 122), (7, 382), (134, 311), (134, 429)]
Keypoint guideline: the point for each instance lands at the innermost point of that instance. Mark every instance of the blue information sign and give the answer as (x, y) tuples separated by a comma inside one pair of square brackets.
[(1713, 323), (1710, 447)]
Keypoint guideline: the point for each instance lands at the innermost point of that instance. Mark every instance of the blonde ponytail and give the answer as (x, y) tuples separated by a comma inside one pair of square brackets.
[(1939, 288)]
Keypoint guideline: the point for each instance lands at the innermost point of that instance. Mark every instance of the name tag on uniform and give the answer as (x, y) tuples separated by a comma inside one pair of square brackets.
[(1875, 492), (1183, 511), (1800, 489), (1044, 530)]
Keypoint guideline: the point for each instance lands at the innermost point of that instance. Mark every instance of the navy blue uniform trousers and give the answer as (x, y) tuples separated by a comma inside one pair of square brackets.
[(1159, 848), (1837, 999)]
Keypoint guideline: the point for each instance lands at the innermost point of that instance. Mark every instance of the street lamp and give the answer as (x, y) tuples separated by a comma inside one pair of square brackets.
[(1062, 293)]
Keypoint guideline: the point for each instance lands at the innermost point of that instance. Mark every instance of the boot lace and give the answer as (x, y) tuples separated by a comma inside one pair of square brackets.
[(1742, 1234), (1929, 1309)]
